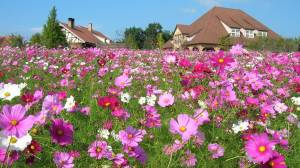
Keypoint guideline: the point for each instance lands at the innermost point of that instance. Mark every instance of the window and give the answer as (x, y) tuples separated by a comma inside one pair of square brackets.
[(262, 34), (249, 34), (235, 33)]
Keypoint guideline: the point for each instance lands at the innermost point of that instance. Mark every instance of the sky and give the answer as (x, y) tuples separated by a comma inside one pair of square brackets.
[(111, 17)]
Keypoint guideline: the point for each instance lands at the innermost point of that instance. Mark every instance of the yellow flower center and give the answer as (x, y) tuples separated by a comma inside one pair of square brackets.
[(13, 140), (34, 130), (262, 148), (54, 107), (107, 104), (271, 164), (60, 132), (98, 149), (130, 135), (32, 147), (221, 60), (14, 122), (7, 94), (182, 128)]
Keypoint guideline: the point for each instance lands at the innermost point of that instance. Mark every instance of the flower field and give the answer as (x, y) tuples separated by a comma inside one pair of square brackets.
[(123, 108)]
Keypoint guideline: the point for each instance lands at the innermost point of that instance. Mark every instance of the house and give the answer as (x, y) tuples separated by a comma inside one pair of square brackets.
[(79, 36), (205, 33)]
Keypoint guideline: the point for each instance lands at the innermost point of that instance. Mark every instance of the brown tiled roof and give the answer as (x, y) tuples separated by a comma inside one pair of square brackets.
[(84, 34), (168, 45), (208, 28), (4, 41)]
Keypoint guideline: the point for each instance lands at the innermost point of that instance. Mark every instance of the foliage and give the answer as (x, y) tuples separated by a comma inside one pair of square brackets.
[(134, 37), (225, 42), (36, 39), (52, 35), (16, 40), (278, 45), (152, 37)]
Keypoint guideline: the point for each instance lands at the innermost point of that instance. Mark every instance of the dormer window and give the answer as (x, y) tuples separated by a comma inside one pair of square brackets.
[(262, 34), (235, 32), (249, 33)]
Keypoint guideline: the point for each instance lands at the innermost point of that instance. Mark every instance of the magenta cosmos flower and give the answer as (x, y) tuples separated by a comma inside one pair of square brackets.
[(131, 136), (123, 81), (98, 150), (61, 132), (166, 99), (63, 160), (184, 126), (14, 122), (259, 148), (221, 60)]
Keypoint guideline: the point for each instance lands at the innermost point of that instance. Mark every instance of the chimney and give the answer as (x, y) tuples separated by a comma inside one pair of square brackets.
[(71, 22), (90, 27)]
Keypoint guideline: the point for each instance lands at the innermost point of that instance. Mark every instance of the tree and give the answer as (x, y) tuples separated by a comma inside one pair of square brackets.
[(134, 37), (225, 42), (16, 40), (151, 33), (167, 35), (52, 35), (36, 39), (160, 40)]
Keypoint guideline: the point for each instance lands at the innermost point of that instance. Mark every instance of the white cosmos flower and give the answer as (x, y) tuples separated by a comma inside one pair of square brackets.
[(10, 91), (202, 104), (14, 143), (142, 100), (70, 103), (296, 101), (104, 133), (241, 126), (125, 97), (151, 100), (280, 107), (115, 136)]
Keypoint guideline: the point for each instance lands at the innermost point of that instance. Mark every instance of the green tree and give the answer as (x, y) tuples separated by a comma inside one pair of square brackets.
[(36, 39), (167, 35), (160, 40), (134, 37), (16, 40), (52, 36), (151, 33), (225, 42)]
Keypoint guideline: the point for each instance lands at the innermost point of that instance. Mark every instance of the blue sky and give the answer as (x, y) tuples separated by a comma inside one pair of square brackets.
[(111, 17)]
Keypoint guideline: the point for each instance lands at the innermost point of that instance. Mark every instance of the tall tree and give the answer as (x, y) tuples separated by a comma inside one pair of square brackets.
[(16, 40), (52, 35), (36, 39), (134, 37), (160, 40), (151, 33)]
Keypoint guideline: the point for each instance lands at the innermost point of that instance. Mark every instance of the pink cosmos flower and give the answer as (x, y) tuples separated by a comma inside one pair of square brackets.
[(221, 60), (61, 132), (278, 161), (131, 136), (216, 149), (259, 148), (237, 49), (189, 160), (123, 81), (166, 99), (98, 149), (8, 158), (201, 116), (52, 104), (14, 122), (184, 126), (63, 160)]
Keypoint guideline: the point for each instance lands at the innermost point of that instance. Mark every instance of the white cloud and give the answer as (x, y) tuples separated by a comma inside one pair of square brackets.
[(36, 29), (189, 10)]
